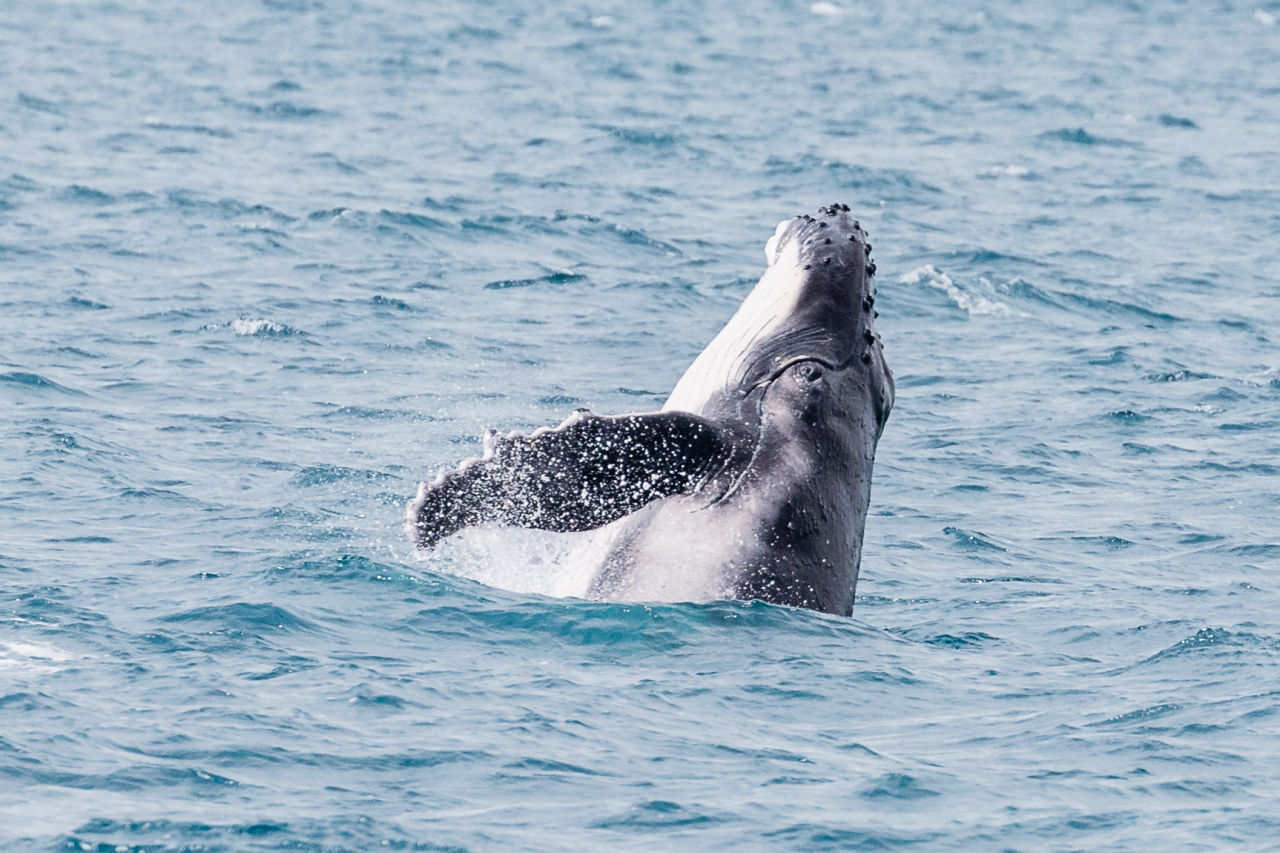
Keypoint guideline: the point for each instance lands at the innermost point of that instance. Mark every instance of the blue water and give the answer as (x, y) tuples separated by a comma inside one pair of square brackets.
[(263, 266)]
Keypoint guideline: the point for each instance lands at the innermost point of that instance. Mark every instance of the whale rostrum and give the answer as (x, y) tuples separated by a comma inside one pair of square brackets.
[(754, 479)]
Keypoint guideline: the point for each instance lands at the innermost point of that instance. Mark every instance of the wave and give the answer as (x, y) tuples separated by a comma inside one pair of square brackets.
[(241, 617), (971, 304), (36, 381)]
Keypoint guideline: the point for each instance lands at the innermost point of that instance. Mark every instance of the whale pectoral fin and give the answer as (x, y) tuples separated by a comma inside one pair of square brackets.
[(583, 474)]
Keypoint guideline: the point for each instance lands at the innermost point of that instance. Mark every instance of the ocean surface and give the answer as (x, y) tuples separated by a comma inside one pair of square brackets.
[(266, 265)]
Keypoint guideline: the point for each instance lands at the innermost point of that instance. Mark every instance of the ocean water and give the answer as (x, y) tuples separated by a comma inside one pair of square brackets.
[(265, 265)]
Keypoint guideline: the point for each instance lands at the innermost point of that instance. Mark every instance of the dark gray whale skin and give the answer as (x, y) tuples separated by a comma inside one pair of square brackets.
[(754, 480)]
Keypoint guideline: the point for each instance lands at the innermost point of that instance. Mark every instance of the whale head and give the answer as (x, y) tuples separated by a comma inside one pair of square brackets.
[(811, 312)]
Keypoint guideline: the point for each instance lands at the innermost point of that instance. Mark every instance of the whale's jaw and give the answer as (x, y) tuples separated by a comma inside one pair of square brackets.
[(814, 301)]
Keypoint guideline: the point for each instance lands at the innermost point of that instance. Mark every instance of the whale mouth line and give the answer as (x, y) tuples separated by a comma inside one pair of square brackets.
[(814, 300), (784, 366)]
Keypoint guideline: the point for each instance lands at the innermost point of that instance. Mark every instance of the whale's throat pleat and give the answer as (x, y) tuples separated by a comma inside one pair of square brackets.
[(727, 360)]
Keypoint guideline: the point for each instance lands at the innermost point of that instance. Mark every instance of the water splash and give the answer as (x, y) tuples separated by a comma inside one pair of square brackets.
[(971, 304)]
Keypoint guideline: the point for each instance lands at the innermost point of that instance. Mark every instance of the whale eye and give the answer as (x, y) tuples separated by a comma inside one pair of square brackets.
[(808, 371)]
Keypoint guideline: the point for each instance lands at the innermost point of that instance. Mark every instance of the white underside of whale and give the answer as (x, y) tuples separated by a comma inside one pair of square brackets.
[(771, 301)]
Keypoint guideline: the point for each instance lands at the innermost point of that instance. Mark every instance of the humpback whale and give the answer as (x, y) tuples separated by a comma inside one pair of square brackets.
[(751, 482)]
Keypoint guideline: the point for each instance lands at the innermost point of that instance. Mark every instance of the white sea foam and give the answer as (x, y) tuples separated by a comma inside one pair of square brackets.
[(257, 326), (30, 657), (973, 305), (826, 9), (1009, 170), (1262, 377), (1265, 18)]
